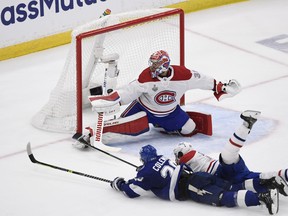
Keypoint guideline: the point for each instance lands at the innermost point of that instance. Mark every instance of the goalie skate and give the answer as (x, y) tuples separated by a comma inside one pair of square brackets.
[(250, 117), (79, 143), (82, 140)]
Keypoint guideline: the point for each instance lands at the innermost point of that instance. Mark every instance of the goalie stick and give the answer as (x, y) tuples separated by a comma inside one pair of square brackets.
[(78, 137), (33, 160), (98, 48)]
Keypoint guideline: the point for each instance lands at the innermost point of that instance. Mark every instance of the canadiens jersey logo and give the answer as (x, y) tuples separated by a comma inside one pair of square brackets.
[(165, 97)]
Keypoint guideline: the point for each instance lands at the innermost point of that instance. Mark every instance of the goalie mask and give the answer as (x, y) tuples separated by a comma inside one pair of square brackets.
[(147, 153), (181, 149), (159, 62)]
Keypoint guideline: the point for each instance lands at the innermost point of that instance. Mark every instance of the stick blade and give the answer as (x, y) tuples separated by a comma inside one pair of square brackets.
[(28, 148), (30, 154)]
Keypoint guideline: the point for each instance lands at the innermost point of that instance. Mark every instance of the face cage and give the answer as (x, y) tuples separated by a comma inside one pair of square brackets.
[(178, 156), (157, 68)]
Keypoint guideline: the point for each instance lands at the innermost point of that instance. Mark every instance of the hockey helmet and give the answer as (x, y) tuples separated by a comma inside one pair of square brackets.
[(181, 149), (159, 62), (147, 153)]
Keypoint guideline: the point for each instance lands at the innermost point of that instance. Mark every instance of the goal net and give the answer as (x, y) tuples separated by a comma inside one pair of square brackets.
[(134, 36)]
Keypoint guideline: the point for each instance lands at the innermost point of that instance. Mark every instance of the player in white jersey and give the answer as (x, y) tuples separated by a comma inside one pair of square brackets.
[(157, 93), (230, 165)]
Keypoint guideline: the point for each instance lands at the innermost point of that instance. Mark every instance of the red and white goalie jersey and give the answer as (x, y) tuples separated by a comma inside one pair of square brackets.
[(161, 95)]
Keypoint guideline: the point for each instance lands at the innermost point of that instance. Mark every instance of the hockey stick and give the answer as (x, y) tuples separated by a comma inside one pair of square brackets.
[(77, 136), (98, 49), (33, 160)]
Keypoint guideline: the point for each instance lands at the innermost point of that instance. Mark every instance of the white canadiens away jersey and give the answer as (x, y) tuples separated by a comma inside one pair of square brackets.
[(199, 162), (161, 95)]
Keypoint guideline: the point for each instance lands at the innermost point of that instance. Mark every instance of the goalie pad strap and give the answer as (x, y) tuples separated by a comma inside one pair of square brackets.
[(131, 125), (203, 122)]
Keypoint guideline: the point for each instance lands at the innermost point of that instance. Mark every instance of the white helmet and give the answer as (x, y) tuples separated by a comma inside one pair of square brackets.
[(181, 149)]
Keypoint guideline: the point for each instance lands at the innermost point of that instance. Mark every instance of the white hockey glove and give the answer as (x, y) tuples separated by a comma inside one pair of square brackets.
[(226, 90), (117, 183), (109, 104)]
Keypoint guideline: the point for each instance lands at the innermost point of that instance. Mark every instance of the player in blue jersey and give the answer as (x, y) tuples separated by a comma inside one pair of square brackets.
[(231, 165), (167, 181)]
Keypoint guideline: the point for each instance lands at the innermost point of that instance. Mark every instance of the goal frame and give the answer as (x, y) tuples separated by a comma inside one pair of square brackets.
[(80, 37)]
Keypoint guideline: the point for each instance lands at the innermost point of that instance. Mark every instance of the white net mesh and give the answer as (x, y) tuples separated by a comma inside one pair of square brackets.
[(134, 44)]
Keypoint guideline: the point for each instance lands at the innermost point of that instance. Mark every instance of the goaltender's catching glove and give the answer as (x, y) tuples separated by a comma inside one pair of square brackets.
[(109, 104), (225, 90), (117, 183)]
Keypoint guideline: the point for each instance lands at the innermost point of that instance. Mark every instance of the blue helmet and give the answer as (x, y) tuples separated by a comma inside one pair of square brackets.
[(147, 153)]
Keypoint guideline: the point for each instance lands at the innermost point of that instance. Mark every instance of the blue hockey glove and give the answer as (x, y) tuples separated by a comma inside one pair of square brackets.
[(117, 183)]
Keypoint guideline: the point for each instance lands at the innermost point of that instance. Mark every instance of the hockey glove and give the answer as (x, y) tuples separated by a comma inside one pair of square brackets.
[(117, 183), (109, 104), (225, 90)]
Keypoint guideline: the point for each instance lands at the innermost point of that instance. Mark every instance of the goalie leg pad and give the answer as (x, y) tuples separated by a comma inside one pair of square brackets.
[(203, 122), (131, 125)]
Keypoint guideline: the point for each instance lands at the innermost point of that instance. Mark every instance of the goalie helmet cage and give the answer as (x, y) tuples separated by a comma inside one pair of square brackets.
[(134, 36)]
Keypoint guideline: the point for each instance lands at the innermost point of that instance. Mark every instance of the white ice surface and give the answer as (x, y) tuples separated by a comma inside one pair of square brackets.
[(220, 42)]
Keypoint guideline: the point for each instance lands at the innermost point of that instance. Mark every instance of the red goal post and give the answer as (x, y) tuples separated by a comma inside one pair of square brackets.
[(134, 36)]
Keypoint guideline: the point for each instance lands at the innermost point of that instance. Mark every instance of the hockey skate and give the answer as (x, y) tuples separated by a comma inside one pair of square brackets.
[(82, 141), (276, 182), (271, 200), (250, 117)]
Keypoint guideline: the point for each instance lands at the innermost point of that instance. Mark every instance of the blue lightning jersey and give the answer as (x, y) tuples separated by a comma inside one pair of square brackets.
[(159, 176), (169, 182)]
